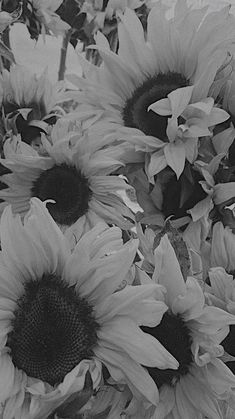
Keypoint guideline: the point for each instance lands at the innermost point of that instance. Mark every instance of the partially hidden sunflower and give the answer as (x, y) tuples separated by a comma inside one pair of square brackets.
[(74, 175), (222, 247), (29, 103), (160, 89), (193, 333), (65, 314), (220, 291)]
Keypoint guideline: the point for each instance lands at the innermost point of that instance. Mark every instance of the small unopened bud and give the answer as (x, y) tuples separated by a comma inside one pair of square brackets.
[(179, 246)]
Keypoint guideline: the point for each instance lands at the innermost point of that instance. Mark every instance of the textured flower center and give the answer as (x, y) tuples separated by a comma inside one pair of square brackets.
[(68, 188), (53, 330), (174, 335), (135, 112)]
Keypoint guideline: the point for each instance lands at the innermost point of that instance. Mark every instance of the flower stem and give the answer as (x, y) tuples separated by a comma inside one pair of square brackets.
[(63, 54), (6, 41)]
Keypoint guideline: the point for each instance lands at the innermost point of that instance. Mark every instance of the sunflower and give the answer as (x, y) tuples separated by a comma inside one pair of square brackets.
[(180, 59), (75, 175), (28, 102), (192, 332), (61, 317)]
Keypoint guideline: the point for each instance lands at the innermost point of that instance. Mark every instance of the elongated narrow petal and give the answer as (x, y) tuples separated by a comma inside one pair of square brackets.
[(167, 270)]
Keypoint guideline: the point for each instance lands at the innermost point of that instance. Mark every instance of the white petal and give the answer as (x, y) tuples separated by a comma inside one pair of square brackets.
[(179, 99), (191, 149), (219, 255), (161, 107), (20, 252), (167, 271), (157, 163), (137, 302), (121, 366), (163, 38), (184, 407), (217, 116), (132, 45), (220, 280), (175, 157), (220, 376), (223, 192), (213, 319), (41, 227), (122, 333), (7, 377), (106, 274), (223, 140), (201, 209), (190, 305), (94, 267), (200, 397)]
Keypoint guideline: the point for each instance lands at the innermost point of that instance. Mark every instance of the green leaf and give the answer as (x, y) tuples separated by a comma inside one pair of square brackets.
[(6, 53)]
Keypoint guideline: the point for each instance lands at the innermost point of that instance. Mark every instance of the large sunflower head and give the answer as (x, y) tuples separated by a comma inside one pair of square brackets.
[(62, 314), (29, 103), (174, 67), (74, 177), (193, 332)]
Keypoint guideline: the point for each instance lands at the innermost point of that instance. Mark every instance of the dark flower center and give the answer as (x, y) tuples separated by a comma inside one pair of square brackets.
[(68, 188), (135, 112), (53, 330), (174, 335)]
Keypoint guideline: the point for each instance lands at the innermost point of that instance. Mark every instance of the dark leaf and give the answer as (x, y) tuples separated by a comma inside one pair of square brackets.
[(6, 53)]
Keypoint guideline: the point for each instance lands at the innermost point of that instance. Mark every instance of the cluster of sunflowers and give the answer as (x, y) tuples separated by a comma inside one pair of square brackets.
[(111, 308)]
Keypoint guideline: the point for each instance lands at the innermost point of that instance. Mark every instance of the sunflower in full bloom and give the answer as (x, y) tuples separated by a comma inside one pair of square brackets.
[(61, 317), (192, 332), (75, 175), (174, 69), (29, 103)]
